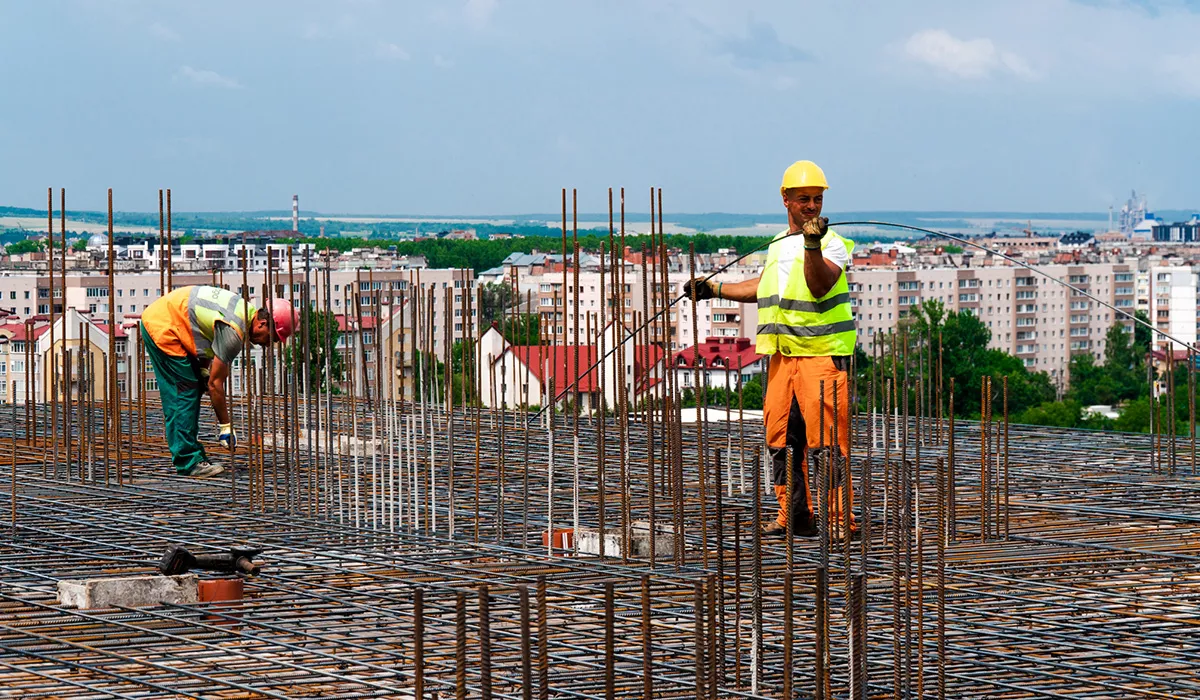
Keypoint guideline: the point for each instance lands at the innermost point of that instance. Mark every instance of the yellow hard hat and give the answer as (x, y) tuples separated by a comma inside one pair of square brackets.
[(803, 173)]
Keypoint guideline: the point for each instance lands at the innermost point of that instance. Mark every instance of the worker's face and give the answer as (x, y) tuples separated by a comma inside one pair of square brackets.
[(260, 330), (803, 203)]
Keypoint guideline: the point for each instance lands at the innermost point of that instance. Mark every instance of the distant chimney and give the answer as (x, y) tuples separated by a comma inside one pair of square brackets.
[(295, 213)]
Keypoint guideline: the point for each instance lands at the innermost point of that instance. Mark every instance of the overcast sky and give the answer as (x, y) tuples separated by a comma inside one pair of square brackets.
[(491, 106)]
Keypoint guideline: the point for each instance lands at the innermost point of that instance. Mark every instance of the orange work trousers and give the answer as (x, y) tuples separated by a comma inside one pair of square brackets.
[(796, 410)]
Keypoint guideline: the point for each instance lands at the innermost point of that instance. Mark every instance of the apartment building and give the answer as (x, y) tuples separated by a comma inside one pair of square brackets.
[(358, 297), (1170, 295), (597, 300), (1037, 320)]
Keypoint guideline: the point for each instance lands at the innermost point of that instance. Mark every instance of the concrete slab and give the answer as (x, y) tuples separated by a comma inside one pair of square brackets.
[(129, 591), (640, 541)]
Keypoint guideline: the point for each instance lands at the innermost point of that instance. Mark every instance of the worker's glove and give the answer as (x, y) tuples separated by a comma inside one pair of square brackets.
[(814, 230), (703, 289), (226, 436)]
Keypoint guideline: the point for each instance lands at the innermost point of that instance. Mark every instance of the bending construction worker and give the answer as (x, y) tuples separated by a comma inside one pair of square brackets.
[(192, 336), (806, 325)]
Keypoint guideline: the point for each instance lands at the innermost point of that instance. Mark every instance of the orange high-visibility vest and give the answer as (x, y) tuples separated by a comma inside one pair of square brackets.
[(181, 323)]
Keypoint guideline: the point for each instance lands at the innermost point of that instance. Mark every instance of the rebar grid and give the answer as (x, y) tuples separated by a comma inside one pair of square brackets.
[(1092, 595), (415, 548)]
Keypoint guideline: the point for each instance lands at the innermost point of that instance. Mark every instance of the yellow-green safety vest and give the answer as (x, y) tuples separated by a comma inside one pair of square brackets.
[(207, 305), (791, 321)]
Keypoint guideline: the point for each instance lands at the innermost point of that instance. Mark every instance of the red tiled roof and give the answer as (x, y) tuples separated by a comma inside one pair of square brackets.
[(17, 331), (720, 352), (1180, 355), (560, 360), (344, 322), (104, 327)]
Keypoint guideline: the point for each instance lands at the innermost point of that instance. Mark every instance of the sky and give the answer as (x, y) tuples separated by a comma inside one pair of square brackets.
[(479, 107)]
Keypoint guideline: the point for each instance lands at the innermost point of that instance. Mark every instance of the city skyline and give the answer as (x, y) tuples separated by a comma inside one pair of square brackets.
[(491, 106)]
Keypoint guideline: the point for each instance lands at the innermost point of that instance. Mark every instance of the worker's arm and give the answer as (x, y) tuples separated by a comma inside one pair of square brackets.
[(745, 291), (820, 274), (218, 373)]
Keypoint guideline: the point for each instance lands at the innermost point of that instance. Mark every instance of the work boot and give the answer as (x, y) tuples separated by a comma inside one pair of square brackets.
[(837, 532), (205, 469), (801, 529)]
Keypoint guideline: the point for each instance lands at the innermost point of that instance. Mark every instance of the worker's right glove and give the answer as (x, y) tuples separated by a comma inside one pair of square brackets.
[(704, 289), (226, 436), (814, 230)]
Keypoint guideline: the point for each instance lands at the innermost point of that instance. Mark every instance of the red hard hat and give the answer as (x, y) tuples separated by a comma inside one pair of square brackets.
[(285, 319)]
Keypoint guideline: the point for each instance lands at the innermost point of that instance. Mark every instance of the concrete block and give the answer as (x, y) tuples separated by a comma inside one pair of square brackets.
[(129, 591), (640, 541)]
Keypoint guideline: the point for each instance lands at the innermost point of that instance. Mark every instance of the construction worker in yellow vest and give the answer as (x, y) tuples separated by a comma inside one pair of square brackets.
[(192, 336), (806, 325)]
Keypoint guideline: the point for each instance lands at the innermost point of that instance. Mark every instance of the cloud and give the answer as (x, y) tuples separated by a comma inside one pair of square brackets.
[(1183, 72), (442, 62), (163, 32), (970, 59), (762, 46), (479, 12), (206, 77), (388, 51)]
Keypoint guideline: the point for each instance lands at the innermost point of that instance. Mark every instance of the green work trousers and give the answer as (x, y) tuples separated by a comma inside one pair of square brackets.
[(180, 388)]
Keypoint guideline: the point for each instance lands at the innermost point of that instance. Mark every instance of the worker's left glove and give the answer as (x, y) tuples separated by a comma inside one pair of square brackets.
[(703, 289), (814, 230), (226, 436)]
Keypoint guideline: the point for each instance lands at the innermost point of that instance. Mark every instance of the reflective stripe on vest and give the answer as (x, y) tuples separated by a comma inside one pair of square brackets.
[(206, 306), (791, 321)]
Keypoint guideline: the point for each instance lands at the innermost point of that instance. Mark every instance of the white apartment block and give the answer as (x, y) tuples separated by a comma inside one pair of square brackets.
[(1170, 296), (716, 318), (1037, 320)]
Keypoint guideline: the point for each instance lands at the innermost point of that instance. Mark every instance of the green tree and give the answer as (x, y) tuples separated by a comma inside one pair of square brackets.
[(967, 360), (1142, 335), (25, 246), (323, 335), (1118, 350), (1061, 414), (521, 330), (1093, 384), (497, 297), (1135, 417), (80, 245)]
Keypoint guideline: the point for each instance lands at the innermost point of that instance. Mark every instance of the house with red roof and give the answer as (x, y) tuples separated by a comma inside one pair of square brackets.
[(26, 352), (720, 362), (532, 375)]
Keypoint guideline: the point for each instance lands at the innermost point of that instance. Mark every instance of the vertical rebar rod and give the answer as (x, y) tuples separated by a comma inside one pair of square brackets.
[(647, 641), (942, 536), (1005, 475), (485, 644), (460, 646), (419, 640), (170, 271), (114, 388), (699, 393), (609, 654), (543, 642), (526, 652), (698, 630), (52, 370)]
